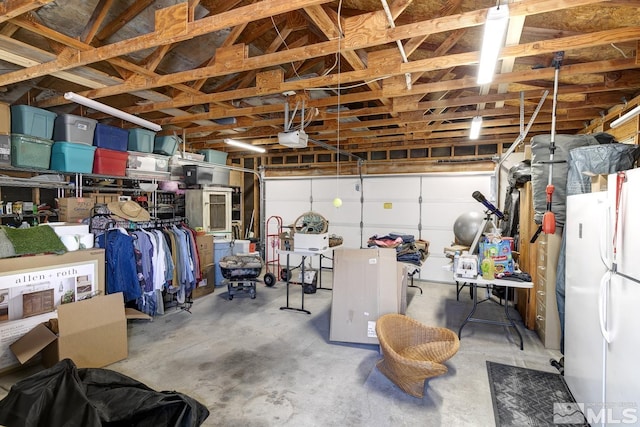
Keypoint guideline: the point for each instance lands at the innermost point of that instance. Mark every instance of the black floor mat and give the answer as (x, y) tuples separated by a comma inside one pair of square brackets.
[(527, 397)]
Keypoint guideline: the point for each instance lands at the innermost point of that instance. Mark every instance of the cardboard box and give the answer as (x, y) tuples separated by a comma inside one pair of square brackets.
[(74, 209), (103, 198), (500, 253), (365, 286), (286, 241), (403, 283), (599, 183), (207, 285), (71, 277), (92, 333), (5, 118), (204, 242)]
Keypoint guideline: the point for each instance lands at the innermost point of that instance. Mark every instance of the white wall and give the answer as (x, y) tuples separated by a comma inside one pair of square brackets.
[(390, 203)]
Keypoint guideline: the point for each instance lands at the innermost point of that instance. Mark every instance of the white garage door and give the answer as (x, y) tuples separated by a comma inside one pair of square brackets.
[(425, 206)]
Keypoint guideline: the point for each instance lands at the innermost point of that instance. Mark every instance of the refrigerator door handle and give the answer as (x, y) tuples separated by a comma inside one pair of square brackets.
[(605, 232), (602, 305)]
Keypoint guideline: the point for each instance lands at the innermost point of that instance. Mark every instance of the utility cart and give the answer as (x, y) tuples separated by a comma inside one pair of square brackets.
[(241, 273)]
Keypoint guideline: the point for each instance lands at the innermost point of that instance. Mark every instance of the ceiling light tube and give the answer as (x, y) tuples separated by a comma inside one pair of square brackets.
[(98, 106), (244, 145), (495, 28), (625, 117), (476, 125)]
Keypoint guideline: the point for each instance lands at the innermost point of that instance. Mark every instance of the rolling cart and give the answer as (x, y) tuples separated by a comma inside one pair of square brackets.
[(240, 274), (272, 256)]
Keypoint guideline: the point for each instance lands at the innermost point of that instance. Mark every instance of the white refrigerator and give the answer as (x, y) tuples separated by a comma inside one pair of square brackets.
[(602, 301)]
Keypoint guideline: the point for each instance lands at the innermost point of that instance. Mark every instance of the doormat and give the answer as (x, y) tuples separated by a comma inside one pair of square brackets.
[(528, 397)]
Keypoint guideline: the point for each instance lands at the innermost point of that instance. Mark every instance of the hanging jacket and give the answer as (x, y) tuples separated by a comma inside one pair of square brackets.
[(121, 265)]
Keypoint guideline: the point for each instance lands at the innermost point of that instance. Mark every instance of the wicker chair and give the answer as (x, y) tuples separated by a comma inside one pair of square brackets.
[(412, 351)]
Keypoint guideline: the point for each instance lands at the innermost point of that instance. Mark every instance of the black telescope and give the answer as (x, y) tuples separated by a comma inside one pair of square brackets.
[(487, 204)]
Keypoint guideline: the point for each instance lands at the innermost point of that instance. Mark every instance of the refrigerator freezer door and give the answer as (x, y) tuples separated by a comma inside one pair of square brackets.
[(583, 343), (622, 363)]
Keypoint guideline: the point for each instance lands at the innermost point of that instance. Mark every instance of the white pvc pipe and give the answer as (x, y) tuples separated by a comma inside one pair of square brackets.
[(74, 97)]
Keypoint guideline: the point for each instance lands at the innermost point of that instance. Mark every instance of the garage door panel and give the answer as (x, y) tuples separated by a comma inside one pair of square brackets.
[(451, 186), (444, 198), (375, 213), (399, 188)]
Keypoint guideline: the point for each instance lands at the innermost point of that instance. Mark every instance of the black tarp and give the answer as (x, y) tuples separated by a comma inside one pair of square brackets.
[(64, 395)]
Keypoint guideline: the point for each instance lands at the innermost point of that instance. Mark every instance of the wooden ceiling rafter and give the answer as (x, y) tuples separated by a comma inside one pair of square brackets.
[(262, 47)]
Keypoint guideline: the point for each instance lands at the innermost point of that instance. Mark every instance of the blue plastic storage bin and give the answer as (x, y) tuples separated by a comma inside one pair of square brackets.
[(33, 121), (166, 145), (111, 137), (141, 140), (221, 249), (72, 157), (214, 156), (70, 128)]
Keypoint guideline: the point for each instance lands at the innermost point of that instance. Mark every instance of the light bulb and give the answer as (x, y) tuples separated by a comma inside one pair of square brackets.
[(337, 202)]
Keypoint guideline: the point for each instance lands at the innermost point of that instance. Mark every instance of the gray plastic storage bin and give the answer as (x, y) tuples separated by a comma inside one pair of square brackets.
[(70, 128)]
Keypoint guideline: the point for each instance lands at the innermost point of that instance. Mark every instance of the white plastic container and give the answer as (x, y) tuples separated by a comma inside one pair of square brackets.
[(241, 247)]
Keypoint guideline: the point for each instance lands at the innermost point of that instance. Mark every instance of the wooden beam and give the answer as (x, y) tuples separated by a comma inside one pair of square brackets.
[(9, 9), (167, 20), (97, 18)]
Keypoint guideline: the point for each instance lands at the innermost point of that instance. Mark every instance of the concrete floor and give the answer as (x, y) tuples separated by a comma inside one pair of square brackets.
[(253, 364)]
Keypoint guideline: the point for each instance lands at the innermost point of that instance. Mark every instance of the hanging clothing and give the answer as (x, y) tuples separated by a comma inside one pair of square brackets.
[(121, 274)]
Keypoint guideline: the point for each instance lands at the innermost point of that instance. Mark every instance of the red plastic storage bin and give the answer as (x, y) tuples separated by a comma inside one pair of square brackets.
[(110, 162)]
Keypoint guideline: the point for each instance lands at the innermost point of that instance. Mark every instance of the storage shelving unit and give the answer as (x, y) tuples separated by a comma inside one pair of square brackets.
[(73, 184)]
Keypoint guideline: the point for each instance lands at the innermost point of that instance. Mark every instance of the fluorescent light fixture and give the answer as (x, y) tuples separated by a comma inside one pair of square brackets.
[(98, 106), (245, 145), (476, 125), (495, 28), (625, 117)]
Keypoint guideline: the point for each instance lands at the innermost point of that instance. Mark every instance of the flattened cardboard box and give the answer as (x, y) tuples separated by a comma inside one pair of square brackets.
[(365, 286), (92, 333)]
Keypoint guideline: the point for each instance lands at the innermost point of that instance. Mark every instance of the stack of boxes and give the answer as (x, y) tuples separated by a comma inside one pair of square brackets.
[(150, 153), (73, 149), (35, 138), (31, 136), (111, 150)]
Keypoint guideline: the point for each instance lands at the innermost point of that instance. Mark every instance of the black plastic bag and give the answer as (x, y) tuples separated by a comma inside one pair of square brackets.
[(64, 396)]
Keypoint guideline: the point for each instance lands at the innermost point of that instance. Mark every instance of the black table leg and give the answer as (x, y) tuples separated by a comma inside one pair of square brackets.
[(287, 307)]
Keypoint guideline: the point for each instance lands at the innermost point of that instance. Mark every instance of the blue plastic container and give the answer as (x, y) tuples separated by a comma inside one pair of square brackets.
[(111, 137), (214, 156), (72, 157), (141, 140), (221, 249), (166, 145), (33, 121)]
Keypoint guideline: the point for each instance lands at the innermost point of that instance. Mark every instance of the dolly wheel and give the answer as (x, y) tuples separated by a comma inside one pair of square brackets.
[(285, 274), (269, 279)]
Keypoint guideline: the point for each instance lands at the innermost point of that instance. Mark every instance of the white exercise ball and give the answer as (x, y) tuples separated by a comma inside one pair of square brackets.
[(466, 227)]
